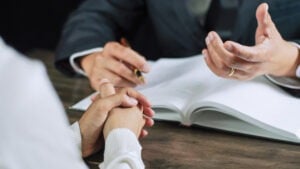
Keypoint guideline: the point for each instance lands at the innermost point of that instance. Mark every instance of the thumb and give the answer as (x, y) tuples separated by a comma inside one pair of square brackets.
[(265, 25), (262, 16), (262, 19)]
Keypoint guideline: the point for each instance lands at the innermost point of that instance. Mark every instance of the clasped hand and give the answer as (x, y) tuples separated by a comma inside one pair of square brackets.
[(111, 109)]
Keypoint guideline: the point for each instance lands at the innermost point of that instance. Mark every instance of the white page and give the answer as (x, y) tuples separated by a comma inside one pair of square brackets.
[(180, 81)]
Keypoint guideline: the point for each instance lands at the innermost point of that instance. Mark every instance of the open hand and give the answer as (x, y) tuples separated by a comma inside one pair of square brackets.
[(270, 55)]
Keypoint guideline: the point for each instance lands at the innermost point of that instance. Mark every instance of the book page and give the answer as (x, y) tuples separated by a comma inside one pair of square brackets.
[(188, 84), (169, 84)]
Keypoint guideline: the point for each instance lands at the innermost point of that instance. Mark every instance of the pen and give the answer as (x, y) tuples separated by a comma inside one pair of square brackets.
[(136, 71), (139, 75)]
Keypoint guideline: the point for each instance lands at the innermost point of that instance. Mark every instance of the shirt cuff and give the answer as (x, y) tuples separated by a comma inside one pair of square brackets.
[(298, 68), (76, 134), (75, 66), (122, 148)]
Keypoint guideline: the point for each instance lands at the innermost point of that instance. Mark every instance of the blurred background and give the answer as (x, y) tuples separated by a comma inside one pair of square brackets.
[(31, 24)]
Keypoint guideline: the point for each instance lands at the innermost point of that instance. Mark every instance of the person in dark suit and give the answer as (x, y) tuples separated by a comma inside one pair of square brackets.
[(154, 29)]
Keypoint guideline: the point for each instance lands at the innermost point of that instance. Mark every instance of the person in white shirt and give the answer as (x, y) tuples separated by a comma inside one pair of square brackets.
[(271, 55), (35, 132)]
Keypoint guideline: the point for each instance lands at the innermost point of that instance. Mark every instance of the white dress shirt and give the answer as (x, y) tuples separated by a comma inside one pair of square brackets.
[(33, 126)]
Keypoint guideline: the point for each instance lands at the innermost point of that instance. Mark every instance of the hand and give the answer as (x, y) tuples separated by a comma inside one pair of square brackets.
[(92, 122), (114, 63), (133, 118), (271, 54)]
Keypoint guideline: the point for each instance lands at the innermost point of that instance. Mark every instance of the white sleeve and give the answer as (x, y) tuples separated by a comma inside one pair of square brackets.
[(34, 129), (122, 151), (74, 65), (76, 135)]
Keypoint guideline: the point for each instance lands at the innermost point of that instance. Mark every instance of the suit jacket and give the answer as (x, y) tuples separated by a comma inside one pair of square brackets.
[(157, 28)]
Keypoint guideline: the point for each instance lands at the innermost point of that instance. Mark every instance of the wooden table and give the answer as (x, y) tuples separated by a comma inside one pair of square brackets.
[(170, 145)]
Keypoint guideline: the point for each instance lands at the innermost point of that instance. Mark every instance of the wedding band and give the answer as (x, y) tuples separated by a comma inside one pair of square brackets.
[(231, 73)]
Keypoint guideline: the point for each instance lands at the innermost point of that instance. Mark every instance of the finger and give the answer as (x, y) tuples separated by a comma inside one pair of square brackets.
[(265, 24), (219, 70), (127, 55), (116, 100), (251, 54), (148, 121), (120, 69), (214, 56), (227, 58), (112, 77), (138, 96), (241, 75), (144, 133), (238, 74), (106, 89), (95, 97), (261, 17), (148, 111), (238, 63), (271, 29), (218, 45)]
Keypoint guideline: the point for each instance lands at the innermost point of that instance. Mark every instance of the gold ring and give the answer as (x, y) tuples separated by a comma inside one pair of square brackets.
[(231, 73)]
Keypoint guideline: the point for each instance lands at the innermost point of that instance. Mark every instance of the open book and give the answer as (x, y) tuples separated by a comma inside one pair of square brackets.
[(185, 90)]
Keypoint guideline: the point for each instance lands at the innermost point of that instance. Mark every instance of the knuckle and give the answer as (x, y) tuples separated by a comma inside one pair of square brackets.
[(125, 90), (120, 69), (125, 52), (254, 69), (220, 73), (99, 57), (231, 62), (117, 80), (110, 45), (141, 63), (224, 68)]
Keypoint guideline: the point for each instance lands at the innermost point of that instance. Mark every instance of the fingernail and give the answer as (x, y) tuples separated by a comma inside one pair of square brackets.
[(132, 101), (204, 54), (102, 81), (207, 40), (210, 36), (228, 47), (146, 68), (266, 18)]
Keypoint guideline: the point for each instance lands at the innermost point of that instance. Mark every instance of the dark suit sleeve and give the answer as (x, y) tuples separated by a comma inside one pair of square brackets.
[(95, 23)]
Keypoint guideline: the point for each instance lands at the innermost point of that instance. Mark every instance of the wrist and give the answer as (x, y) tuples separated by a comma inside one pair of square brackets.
[(295, 60), (87, 62), (289, 62)]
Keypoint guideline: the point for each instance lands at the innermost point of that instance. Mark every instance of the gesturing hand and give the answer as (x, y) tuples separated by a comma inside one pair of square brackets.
[(270, 55), (114, 63)]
